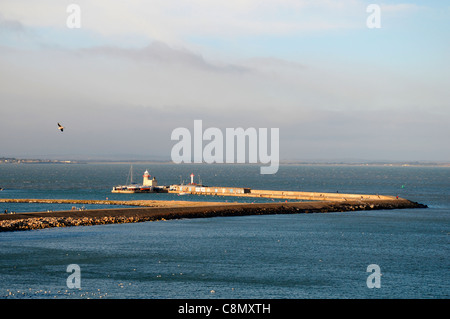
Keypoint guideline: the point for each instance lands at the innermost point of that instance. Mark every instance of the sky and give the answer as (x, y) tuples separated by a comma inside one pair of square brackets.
[(136, 70)]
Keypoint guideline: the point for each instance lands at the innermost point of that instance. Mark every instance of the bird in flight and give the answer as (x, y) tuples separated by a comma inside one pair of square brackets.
[(60, 127)]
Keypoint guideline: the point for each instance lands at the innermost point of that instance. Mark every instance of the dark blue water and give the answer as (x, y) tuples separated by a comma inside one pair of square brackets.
[(279, 256)]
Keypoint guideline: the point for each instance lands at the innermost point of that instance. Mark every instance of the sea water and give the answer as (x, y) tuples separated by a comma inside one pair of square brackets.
[(272, 256)]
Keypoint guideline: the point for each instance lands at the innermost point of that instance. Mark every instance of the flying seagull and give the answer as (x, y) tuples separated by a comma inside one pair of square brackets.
[(60, 127)]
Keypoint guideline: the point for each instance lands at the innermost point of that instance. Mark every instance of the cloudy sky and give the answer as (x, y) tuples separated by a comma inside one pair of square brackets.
[(136, 70)]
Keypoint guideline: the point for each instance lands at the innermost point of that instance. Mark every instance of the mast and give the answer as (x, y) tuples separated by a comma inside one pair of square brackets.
[(131, 174)]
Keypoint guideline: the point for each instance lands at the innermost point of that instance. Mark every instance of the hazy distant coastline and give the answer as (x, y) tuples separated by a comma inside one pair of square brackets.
[(13, 160)]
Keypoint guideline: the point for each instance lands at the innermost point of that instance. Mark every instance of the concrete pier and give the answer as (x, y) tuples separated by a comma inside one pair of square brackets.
[(295, 195)]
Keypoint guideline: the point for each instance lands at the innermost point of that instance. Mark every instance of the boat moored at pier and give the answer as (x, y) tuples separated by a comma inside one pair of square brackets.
[(149, 185)]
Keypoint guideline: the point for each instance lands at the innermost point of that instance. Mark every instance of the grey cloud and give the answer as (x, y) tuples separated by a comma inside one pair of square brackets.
[(105, 95), (161, 53), (13, 26)]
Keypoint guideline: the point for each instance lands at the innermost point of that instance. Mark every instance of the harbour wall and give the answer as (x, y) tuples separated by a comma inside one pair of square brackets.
[(40, 220), (317, 196), (295, 195)]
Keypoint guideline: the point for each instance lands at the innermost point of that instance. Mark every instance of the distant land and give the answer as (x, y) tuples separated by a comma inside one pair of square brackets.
[(13, 160)]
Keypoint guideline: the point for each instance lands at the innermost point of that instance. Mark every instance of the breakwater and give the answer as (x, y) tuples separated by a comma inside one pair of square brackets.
[(145, 203), (177, 210)]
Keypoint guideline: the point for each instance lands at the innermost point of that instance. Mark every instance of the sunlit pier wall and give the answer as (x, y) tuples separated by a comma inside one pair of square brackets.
[(247, 192)]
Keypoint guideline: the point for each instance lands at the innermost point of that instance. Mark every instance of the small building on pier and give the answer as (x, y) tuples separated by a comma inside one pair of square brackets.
[(208, 190)]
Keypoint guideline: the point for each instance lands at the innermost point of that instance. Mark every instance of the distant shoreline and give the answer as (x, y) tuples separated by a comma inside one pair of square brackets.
[(288, 164), (12, 160)]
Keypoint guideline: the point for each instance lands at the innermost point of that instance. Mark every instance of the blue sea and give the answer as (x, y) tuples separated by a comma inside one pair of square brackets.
[(298, 256)]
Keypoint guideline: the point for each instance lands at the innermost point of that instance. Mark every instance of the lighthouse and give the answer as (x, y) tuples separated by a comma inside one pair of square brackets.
[(192, 179), (147, 181)]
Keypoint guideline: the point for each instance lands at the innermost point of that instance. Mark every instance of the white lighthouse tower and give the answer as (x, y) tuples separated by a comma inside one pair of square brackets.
[(192, 179), (147, 181)]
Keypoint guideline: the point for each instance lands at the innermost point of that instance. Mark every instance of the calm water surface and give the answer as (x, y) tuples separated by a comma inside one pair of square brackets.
[(277, 256)]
